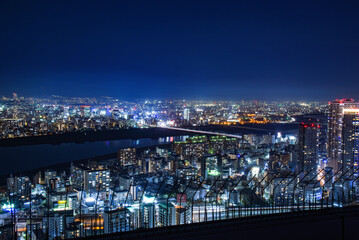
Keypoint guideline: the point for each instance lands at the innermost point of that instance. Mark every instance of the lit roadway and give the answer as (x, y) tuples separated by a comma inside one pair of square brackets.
[(202, 132), (216, 133)]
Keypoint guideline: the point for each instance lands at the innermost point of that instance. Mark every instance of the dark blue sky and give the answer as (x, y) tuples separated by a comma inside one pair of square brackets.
[(181, 49)]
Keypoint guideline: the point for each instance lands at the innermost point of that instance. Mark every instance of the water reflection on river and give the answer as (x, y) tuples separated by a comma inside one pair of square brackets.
[(15, 159)]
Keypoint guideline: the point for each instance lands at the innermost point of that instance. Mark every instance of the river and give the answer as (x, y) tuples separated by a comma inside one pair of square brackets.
[(22, 158)]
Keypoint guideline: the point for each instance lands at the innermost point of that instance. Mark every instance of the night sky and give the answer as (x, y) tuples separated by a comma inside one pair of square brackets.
[(263, 50)]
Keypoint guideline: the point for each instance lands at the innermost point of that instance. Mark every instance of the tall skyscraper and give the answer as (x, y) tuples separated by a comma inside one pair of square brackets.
[(350, 140), (186, 114), (342, 125), (308, 148)]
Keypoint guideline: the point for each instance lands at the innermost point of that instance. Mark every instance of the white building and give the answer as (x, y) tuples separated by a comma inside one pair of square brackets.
[(186, 114)]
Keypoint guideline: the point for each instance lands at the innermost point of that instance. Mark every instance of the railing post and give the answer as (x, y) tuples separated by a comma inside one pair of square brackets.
[(229, 196), (331, 177), (240, 196), (205, 199), (129, 189), (65, 228), (154, 204), (274, 198), (266, 202), (125, 209), (13, 214), (355, 185), (295, 186), (295, 177), (98, 192), (304, 193), (253, 190), (81, 197), (333, 184), (31, 212), (220, 189), (348, 178), (48, 210), (184, 191), (113, 194), (143, 193), (200, 184), (140, 202), (315, 199), (169, 195), (14, 202)]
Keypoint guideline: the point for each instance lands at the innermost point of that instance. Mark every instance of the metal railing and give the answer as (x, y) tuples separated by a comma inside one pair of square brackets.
[(224, 199)]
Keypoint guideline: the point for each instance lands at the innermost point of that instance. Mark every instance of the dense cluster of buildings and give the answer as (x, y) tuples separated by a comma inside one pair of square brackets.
[(202, 178), (23, 117)]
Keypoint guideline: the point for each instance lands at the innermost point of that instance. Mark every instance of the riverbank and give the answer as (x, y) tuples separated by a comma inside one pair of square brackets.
[(65, 166), (91, 136), (138, 133)]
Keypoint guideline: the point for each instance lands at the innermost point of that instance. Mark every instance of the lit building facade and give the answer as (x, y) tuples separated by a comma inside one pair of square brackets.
[(147, 215), (350, 140), (196, 146), (337, 111), (118, 220), (186, 114), (308, 148), (127, 156), (21, 186), (94, 179)]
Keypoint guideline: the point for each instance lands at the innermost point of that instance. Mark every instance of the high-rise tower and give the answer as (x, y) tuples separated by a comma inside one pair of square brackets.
[(308, 148), (186, 114), (350, 140), (341, 132)]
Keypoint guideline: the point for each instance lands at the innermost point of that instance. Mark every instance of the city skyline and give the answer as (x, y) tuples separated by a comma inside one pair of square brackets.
[(203, 50), (10, 95), (179, 119)]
